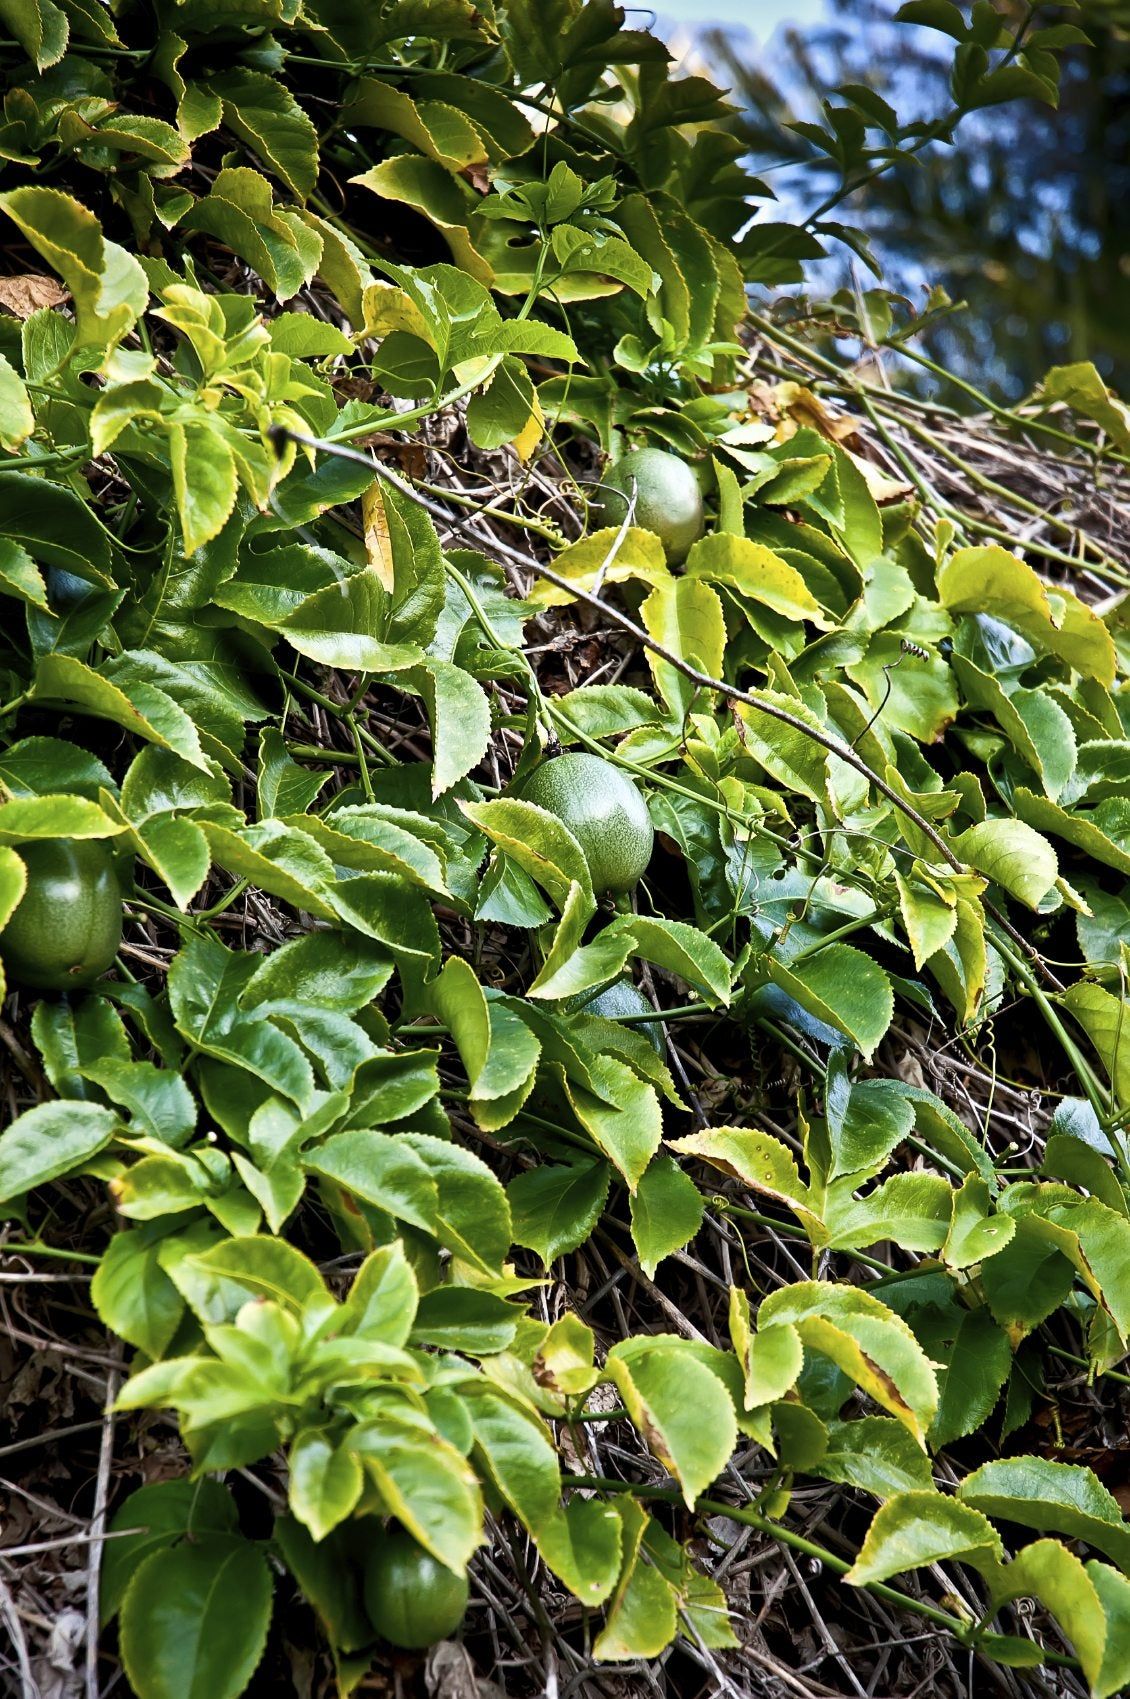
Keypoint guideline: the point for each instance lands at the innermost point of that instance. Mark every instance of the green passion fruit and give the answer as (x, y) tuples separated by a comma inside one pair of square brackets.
[(67, 926), (621, 998), (412, 1600), (668, 499), (605, 812)]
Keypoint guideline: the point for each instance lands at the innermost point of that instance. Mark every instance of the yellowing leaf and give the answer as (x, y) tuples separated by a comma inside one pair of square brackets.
[(592, 562), (378, 543), (866, 1340), (993, 581), (918, 1528), (680, 1406), (1013, 855)]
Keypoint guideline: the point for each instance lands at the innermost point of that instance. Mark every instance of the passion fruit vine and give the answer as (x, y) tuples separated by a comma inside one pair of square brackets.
[(668, 499), (67, 927), (604, 810), (412, 1600)]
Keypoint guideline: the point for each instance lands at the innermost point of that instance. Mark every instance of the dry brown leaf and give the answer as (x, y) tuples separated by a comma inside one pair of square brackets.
[(26, 294), (804, 408)]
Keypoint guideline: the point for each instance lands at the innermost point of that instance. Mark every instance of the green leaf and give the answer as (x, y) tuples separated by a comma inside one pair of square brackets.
[(204, 479), (541, 845), (555, 1207), (55, 527), (446, 199), (49, 1141), (267, 1268), (326, 1481), (328, 1577), (990, 580), (27, 819), (385, 908), (108, 286), (643, 1614), (320, 968), (842, 987), (873, 1122), (505, 410), (497, 1048), (606, 710), (912, 1210), (666, 1209), (17, 421), (381, 1170), (679, 949), (577, 250), (1027, 1281), (1010, 853), (474, 1217), (680, 1406), (134, 1296), (1113, 1592), (771, 1358), (980, 1362), (441, 131), (877, 1455), (239, 210), (581, 1545), (621, 1115), (1103, 1018), (757, 573), (460, 718), (519, 1454), (1095, 1239), (759, 1159), (586, 564), (866, 1340), (1084, 829), (974, 1234), (40, 27), (13, 884), (1060, 1498), (457, 1318), (180, 1637), (266, 116), (684, 615), (118, 695), (1081, 388), (918, 1528), (205, 982), (426, 1484), (160, 1513), (1047, 1571), (929, 915)]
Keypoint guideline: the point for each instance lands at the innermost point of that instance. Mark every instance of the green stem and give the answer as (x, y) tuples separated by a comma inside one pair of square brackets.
[(34, 1248), (1092, 1086), (844, 931), (749, 1518), (1104, 1374)]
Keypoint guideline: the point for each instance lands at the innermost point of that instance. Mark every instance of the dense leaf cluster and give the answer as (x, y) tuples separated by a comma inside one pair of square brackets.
[(880, 764)]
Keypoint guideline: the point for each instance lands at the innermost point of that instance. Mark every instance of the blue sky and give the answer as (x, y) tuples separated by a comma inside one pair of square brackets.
[(759, 17)]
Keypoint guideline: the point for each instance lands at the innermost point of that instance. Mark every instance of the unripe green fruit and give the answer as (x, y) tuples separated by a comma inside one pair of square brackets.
[(412, 1600), (668, 499), (617, 1000), (67, 926), (605, 812)]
